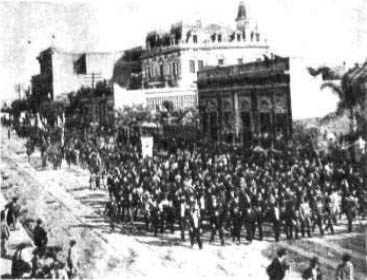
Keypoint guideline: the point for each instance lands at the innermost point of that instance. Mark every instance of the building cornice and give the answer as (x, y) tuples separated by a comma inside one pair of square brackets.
[(178, 48), (242, 88)]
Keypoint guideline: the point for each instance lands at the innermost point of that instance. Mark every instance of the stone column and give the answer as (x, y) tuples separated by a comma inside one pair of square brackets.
[(237, 117)]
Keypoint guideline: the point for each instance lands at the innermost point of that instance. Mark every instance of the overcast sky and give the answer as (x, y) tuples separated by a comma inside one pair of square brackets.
[(329, 31)]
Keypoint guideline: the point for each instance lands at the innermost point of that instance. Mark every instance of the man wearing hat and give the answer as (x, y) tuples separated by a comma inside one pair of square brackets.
[(278, 267), (195, 222), (13, 212), (345, 270), (313, 272), (40, 236)]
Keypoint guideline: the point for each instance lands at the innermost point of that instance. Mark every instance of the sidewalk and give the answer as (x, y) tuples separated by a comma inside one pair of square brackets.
[(16, 237)]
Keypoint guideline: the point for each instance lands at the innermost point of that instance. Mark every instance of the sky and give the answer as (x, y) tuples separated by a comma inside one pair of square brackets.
[(321, 31)]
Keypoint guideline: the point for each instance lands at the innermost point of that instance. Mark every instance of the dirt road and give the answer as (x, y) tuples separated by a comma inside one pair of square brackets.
[(70, 210)]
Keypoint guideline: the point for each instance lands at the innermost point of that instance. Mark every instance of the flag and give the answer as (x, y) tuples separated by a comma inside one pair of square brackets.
[(147, 146)]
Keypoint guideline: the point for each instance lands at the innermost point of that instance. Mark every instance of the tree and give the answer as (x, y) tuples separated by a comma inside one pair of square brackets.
[(350, 93), (50, 111)]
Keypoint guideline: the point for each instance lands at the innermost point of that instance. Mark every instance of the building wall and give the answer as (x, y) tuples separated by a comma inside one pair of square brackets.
[(180, 97), (64, 78), (60, 70), (185, 44), (211, 56), (152, 71), (247, 103)]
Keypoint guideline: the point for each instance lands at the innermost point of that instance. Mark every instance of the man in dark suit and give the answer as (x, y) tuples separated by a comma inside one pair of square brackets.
[(195, 221), (215, 218), (278, 267), (250, 222), (275, 220), (40, 236), (13, 212)]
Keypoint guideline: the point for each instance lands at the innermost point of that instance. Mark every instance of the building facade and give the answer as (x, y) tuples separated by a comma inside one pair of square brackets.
[(64, 72), (151, 98), (246, 104), (173, 58)]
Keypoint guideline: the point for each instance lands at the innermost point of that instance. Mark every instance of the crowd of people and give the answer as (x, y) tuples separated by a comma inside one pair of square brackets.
[(198, 188), (224, 189), (36, 260)]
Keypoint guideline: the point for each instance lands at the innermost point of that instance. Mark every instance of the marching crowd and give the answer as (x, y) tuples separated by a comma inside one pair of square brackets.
[(200, 187)]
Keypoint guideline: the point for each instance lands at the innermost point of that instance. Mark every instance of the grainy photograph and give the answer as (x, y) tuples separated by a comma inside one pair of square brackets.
[(169, 139)]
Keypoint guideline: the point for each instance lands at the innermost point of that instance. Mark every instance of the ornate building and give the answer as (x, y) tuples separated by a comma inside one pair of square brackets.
[(172, 59), (248, 103)]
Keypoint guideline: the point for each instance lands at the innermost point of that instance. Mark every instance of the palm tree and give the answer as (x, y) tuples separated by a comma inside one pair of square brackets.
[(348, 93)]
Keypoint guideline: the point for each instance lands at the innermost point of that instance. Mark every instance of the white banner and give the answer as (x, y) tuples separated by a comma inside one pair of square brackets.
[(147, 146)]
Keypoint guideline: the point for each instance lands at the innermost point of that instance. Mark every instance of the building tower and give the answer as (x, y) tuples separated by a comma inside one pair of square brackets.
[(242, 21)]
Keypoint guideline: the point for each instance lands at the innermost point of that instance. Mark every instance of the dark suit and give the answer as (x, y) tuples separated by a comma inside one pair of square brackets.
[(40, 236), (275, 220), (276, 270), (195, 221), (250, 222)]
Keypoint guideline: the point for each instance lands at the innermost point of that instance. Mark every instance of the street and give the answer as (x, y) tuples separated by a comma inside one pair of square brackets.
[(70, 210)]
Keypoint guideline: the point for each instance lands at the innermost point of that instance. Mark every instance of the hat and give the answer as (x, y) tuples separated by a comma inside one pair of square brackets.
[(346, 257), (281, 252), (315, 260), (39, 221)]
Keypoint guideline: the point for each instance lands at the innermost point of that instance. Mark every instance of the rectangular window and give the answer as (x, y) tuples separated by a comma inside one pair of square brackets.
[(246, 127), (265, 123), (80, 66), (220, 61), (177, 68), (200, 65), (281, 124), (240, 61), (192, 66), (219, 37), (174, 69), (227, 119), (195, 38), (238, 37), (213, 126)]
